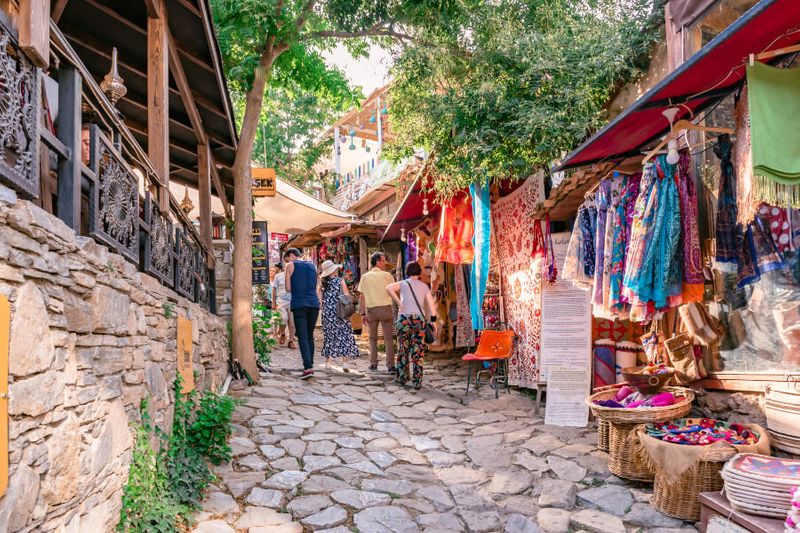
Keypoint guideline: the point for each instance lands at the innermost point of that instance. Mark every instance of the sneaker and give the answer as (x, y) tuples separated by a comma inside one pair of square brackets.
[(391, 370), (307, 374), (373, 367)]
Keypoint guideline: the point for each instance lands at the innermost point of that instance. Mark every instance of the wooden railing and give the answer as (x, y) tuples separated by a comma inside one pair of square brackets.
[(109, 195)]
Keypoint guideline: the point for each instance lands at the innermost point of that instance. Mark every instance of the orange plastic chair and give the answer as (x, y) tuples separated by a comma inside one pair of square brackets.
[(496, 348)]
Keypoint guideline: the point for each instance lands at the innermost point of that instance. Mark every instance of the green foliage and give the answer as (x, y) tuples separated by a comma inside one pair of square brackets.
[(518, 84), (147, 504), (263, 341), (169, 309), (165, 483)]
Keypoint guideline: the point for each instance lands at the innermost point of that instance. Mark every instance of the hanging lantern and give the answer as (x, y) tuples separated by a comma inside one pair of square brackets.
[(385, 110), (403, 235), (113, 85), (368, 149), (372, 118), (352, 145), (352, 132), (425, 207), (186, 203)]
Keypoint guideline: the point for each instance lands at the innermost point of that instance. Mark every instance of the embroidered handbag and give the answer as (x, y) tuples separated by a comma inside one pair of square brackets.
[(429, 336), (681, 356)]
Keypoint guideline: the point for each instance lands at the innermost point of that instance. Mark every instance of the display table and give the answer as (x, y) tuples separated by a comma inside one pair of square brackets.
[(715, 504)]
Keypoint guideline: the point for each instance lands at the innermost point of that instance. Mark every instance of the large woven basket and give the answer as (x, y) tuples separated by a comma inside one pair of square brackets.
[(614, 415), (623, 459), (679, 498), (603, 435)]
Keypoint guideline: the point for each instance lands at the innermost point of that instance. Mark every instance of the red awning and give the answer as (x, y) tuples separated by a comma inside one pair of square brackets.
[(410, 213), (707, 76)]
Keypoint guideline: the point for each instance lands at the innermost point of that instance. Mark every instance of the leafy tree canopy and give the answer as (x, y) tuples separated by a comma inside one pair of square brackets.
[(519, 83)]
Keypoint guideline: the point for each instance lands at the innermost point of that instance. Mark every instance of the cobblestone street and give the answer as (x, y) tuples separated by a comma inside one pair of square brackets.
[(354, 452)]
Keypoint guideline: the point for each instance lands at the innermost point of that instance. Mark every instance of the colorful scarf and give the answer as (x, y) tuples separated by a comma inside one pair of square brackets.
[(574, 263), (642, 237), (614, 235), (602, 201), (481, 242), (621, 223), (454, 244), (587, 219), (693, 279), (701, 432), (550, 273), (727, 231), (465, 335), (757, 253)]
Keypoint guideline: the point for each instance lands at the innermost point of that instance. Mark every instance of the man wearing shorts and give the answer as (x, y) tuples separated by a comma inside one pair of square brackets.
[(282, 300)]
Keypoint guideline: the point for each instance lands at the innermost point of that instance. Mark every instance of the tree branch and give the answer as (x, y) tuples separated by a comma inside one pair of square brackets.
[(304, 14)]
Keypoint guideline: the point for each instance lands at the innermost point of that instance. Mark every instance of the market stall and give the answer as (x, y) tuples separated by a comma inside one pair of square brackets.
[(687, 248)]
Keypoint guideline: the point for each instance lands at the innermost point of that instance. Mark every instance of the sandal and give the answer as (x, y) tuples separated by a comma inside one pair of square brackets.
[(291, 345), (282, 339)]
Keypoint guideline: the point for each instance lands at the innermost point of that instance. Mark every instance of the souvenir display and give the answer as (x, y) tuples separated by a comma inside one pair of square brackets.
[(701, 432)]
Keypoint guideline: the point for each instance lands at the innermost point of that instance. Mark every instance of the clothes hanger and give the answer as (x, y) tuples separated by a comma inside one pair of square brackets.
[(773, 53), (676, 129)]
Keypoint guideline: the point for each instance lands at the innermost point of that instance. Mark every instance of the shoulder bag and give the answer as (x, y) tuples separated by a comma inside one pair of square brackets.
[(345, 307), (429, 337)]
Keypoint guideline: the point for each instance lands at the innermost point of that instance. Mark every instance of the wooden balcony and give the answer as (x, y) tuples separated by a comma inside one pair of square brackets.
[(69, 149)]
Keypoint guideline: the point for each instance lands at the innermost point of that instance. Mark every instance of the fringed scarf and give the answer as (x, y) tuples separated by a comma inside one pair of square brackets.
[(693, 279), (727, 230), (481, 243)]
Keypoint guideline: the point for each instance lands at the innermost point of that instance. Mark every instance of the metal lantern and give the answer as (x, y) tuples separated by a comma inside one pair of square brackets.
[(186, 204), (113, 85)]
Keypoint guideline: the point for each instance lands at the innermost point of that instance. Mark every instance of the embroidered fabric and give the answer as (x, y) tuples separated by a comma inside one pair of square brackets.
[(521, 276)]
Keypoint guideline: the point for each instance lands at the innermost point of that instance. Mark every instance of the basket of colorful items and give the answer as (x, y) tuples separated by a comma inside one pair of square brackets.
[(623, 409), (687, 456)]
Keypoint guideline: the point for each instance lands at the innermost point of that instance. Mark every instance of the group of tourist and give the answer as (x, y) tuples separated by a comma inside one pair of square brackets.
[(299, 296)]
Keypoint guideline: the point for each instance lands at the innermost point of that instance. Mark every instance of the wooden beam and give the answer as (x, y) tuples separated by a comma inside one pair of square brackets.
[(158, 99), (58, 10), (189, 5), (185, 90), (204, 187), (152, 8), (220, 189), (69, 133), (34, 30)]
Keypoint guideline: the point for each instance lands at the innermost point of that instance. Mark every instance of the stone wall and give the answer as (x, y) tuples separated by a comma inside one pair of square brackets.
[(223, 254), (740, 407), (90, 337)]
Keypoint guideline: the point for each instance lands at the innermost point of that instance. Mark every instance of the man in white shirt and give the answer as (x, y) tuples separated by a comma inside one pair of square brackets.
[(282, 300)]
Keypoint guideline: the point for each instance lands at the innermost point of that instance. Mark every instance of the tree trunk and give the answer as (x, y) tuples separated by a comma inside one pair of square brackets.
[(242, 297)]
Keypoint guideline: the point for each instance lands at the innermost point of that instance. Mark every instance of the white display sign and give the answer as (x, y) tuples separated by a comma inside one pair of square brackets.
[(566, 392), (566, 354)]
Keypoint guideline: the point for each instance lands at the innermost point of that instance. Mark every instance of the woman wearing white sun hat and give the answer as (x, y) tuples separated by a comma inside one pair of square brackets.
[(338, 341)]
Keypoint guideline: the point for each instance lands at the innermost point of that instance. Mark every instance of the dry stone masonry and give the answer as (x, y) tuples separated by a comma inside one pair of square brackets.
[(90, 337)]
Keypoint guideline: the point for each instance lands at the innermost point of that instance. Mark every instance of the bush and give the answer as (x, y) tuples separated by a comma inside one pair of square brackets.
[(165, 485)]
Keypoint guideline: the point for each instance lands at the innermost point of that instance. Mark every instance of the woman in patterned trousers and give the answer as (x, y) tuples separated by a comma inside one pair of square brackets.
[(415, 302)]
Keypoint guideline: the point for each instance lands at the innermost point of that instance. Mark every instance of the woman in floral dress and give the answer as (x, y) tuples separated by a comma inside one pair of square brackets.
[(416, 304), (337, 334)]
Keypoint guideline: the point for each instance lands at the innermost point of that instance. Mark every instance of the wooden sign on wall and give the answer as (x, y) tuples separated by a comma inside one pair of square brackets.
[(185, 366), (5, 332), (263, 182)]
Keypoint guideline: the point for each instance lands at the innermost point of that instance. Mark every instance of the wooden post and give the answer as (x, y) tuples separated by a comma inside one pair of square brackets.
[(34, 30), (69, 133), (379, 121), (204, 186), (158, 99)]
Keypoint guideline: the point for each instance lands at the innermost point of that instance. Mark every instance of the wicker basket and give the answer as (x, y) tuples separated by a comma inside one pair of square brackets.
[(603, 429), (642, 416), (679, 497), (623, 459)]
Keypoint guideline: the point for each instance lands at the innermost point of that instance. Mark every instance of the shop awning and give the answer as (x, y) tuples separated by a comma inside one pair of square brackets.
[(314, 236), (410, 212), (707, 76), (293, 210)]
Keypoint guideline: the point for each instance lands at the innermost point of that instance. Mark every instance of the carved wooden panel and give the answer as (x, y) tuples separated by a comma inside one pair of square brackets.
[(19, 118), (159, 244), (115, 198), (185, 259)]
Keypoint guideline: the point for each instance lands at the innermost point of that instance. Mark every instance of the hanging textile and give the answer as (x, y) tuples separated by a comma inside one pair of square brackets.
[(521, 276), (411, 249), (465, 335), (758, 253), (575, 261), (481, 243), (628, 187), (550, 267), (693, 279), (726, 226), (613, 232), (774, 102), (746, 205), (777, 220), (602, 201), (654, 273), (454, 244), (588, 223)]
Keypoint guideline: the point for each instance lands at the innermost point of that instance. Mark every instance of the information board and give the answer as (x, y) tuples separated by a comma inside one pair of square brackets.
[(276, 240), (566, 345), (260, 256), (185, 365)]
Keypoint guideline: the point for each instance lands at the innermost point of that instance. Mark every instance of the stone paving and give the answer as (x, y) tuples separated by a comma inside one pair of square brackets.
[(347, 452)]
